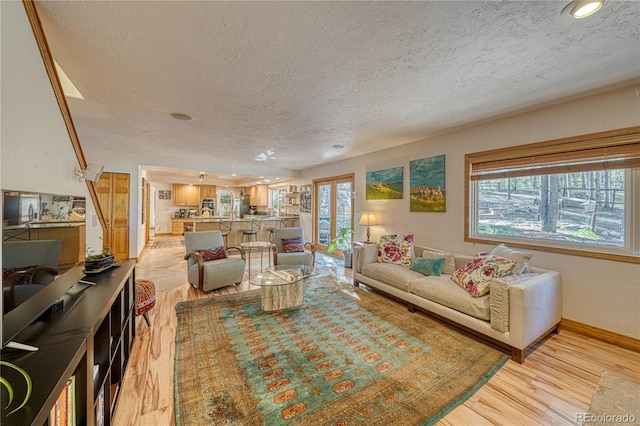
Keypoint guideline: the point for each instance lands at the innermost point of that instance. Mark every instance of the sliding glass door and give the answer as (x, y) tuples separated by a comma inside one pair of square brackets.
[(333, 208)]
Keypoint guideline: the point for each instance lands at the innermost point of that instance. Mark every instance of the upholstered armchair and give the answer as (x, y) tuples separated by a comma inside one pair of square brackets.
[(208, 266), (290, 249), (27, 267)]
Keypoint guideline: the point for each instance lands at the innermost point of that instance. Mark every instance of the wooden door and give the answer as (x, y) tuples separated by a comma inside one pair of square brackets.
[(113, 195), (333, 210)]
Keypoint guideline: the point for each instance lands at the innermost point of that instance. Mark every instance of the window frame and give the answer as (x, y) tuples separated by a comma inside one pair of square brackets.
[(280, 190), (569, 147)]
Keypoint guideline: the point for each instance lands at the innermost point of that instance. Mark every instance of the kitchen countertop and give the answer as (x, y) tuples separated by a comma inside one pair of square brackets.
[(248, 219), (37, 225)]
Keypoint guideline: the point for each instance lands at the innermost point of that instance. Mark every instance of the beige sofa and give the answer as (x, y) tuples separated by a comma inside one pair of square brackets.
[(518, 311)]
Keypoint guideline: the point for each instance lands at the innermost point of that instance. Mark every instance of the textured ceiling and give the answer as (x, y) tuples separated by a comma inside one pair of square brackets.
[(276, 84)]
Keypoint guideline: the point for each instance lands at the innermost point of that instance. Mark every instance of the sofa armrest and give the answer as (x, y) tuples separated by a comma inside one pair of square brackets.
[(535, 306), (363, 255)]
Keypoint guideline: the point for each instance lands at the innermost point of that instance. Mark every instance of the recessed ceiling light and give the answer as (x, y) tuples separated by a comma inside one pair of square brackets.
[(234, 174), (267, 180), (583, 8), (337, 146), (180, 116)]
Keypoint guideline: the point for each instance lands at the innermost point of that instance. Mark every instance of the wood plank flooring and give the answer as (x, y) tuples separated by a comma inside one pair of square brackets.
[(555, 383)]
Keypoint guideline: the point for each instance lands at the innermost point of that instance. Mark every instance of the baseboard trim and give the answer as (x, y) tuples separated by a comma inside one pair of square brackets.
[(617, 339)]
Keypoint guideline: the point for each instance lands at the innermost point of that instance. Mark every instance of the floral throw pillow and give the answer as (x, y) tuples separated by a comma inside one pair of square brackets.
[(396, 249), (292, 245), (475, 277), (213, 253)]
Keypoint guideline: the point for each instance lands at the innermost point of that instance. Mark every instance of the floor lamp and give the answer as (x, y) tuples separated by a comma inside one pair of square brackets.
[(368, 219)]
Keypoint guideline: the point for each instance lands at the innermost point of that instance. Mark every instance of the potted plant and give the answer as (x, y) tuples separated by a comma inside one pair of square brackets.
[(93, 261), (342, 241)]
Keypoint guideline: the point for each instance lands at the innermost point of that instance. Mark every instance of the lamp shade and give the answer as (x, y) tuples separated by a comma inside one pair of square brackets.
[(368, 219)]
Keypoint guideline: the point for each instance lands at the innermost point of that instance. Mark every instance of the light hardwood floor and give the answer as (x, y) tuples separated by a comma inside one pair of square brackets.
[(555, 383)]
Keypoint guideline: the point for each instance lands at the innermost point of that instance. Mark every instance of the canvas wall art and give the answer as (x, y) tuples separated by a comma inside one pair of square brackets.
[(305, 198), (386, 184), (427, 185)]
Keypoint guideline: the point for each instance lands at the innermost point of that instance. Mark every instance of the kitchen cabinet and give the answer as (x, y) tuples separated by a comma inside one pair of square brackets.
[(71, 234), (207, 191), (259, 195), (178, 226), (73, 243), (186, 195)]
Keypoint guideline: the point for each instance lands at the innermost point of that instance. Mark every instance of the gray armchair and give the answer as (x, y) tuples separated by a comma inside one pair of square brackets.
[(27, 267), (280, 257), (213, 274)]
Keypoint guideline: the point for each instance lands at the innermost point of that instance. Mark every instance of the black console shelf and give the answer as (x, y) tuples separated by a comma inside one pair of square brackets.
[(95, 328)]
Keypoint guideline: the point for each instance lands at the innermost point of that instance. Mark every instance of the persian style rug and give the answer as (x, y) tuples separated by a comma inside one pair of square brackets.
[(347, 356), (167, 244)]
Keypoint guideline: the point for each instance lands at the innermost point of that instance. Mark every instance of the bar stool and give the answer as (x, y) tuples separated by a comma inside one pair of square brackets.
[(145, 298), (225, 229), (252, 233), (282, 224)]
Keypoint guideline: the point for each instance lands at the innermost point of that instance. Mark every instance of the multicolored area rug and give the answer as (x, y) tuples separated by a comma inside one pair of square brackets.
[(167, 244), (345, 357)]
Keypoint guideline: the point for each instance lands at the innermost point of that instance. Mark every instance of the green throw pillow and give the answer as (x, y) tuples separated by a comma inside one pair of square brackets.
[(428, 266)]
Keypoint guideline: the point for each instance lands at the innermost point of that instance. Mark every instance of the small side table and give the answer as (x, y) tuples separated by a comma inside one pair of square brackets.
[(256, 245)]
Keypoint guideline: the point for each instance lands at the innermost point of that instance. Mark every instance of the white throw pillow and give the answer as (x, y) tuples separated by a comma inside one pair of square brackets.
[(521, 258)]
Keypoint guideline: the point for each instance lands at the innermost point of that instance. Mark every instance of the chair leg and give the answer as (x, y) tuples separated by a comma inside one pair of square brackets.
[(146, 318)]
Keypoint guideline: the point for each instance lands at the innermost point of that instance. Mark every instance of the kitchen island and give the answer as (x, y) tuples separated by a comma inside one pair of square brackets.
[(71, 233), (267, 223)]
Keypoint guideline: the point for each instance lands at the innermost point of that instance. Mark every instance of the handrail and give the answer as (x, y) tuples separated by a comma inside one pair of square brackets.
[(47, 59)]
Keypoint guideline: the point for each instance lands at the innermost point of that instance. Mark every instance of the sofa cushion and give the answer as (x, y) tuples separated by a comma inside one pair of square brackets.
[(449, 261), (292, 245), (428, 266), (445, 292), (521, 258), (395, 275), (214, 253), (476, 276), (499, 296), (396, 249)]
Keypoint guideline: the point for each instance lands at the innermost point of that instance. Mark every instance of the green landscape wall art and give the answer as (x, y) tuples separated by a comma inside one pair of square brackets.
[(385, 184), (426, 185)]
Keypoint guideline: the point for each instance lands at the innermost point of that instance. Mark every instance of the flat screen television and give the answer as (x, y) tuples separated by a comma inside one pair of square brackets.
[(21, 211)]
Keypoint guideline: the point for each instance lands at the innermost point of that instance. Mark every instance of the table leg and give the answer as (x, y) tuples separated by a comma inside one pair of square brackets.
[(261, 249), (282, 296), (249, 261)]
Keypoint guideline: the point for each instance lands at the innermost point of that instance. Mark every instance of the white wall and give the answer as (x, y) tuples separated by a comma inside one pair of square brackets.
[(600, 293), (164, 208), (36, 152)]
